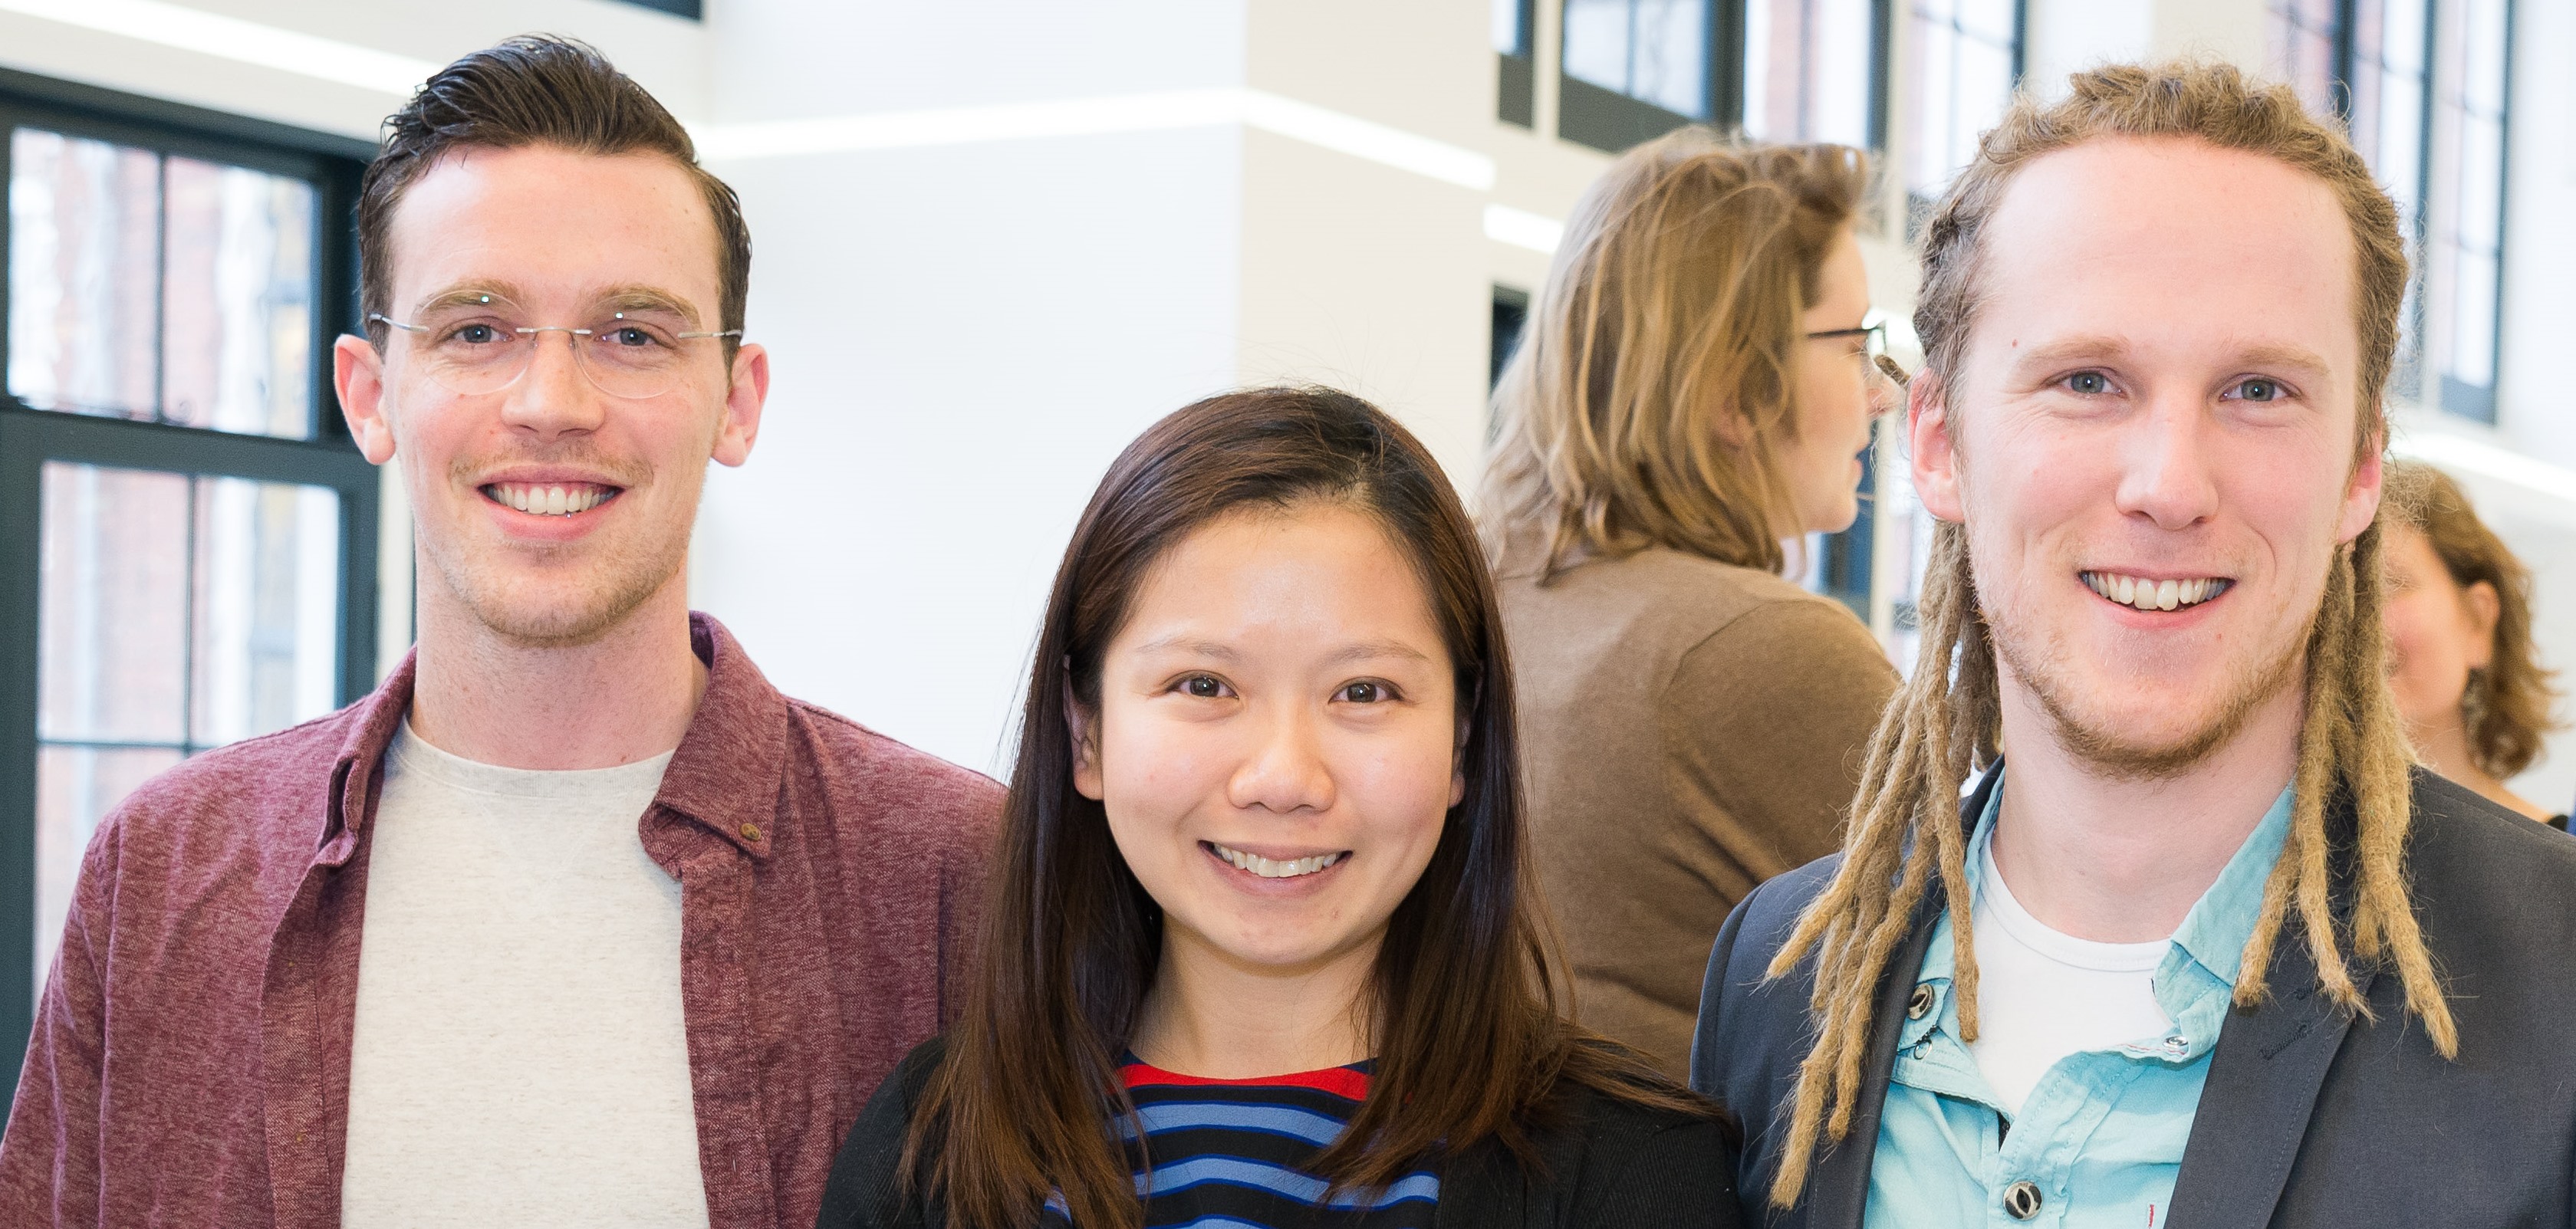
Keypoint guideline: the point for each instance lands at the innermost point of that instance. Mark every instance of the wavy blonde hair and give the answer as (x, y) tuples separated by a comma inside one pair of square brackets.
[(1905, 829), (1658, 372), (2506, 707)]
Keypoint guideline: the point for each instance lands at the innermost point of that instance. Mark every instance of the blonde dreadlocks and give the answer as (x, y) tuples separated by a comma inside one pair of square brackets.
[(1905, 831)]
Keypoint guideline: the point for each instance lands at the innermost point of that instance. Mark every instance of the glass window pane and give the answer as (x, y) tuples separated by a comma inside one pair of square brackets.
[(238, 300), (1672, 55), (1962, 81), (84, 241), (1596, 42), (1508, 31), (160, 288), (267, 627), (2473, 337), (2301, 37), (1807, 68), (113, 624), (1652, 50), (177, 613), (2471, 212)]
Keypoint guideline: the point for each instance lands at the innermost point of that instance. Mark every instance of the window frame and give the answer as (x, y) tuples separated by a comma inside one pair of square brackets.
[(30, 438)]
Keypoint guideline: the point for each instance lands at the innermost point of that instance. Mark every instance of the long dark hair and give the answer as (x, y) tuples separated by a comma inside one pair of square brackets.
[(1470, 1036)]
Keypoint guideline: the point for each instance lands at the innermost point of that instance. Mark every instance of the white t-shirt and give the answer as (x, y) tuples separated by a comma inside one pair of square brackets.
[(2043, 994), (520, 1056)]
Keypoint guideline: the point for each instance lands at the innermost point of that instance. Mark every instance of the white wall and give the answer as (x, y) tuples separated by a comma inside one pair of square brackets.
[(963, 334)]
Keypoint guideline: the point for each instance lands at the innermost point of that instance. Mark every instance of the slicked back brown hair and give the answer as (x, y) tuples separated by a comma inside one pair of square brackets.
[(1906, 835), (2506, 707), (1673, 308), (1467, 997), (535, 90)]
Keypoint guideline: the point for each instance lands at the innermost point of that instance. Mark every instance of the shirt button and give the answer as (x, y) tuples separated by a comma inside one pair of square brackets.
[(2021, 1200), (751, 832), (1920, 1005), (2176, 1045)]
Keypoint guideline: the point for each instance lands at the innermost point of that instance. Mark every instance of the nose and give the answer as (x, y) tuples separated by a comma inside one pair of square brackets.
[(2169, 464), (553, 398), (1285, 773)]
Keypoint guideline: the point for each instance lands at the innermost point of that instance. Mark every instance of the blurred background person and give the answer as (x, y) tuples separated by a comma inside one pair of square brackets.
[(1696, 387), (2475, 699)]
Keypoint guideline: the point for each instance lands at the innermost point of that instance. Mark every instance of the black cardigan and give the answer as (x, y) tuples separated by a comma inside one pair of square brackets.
[(1612, 1165)]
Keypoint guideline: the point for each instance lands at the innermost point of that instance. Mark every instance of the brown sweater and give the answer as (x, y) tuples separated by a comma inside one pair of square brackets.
[(1691, 729)]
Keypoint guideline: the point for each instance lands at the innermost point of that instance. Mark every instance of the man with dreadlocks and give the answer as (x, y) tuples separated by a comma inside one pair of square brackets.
[(2201, 947)]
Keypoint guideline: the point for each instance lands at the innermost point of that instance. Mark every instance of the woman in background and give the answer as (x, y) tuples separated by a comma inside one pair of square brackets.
[(1695, 388), (1260, 951), (2460, 660)]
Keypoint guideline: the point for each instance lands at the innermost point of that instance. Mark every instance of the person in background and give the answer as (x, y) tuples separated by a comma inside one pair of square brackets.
[(576, 920), (1261, 911), (2201, 947), (2475, 701), (1695, 388)]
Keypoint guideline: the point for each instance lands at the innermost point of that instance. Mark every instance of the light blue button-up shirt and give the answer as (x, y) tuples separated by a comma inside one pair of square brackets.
[(2101, 1135)]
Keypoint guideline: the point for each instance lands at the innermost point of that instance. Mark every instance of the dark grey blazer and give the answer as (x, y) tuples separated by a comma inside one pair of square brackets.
[(2310, 1118)]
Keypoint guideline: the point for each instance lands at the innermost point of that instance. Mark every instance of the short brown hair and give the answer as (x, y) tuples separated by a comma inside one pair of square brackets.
[(1674, 302), (534, 90), (2507, 705)]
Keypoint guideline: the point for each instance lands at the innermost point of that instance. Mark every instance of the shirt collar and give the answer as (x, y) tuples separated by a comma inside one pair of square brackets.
[(2211, 936), (724, 774), (2215, 931)]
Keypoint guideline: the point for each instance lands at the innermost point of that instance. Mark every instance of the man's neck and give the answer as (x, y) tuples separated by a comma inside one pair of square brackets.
[(624, 696), (2116, 860)]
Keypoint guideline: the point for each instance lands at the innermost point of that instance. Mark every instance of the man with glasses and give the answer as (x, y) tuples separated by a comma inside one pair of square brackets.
[(576, 920)]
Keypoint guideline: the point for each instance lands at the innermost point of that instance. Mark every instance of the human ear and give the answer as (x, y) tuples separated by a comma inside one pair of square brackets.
[(2361, 495), (2484, 608), (745, 394), (1935, 458), (358, 373), (1082, 728)]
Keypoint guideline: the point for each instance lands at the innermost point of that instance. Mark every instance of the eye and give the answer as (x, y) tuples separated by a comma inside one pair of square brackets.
[(475, 334), (2087, 383), (1204, 687), (1366, 691), (629, 335), (2260, 389)]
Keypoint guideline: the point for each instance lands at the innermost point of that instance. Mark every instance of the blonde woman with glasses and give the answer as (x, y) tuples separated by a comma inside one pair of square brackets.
[(1695, 389)]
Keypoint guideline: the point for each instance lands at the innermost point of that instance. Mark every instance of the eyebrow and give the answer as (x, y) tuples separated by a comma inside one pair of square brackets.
[(470, 294), (2295, 358), (615, 299), (1367, 650)]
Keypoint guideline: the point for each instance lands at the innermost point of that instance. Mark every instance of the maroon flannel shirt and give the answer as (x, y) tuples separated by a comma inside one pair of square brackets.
[(190, 1063)]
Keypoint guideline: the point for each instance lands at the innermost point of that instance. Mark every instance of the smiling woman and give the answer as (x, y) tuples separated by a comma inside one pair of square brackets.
[(1263, 911)]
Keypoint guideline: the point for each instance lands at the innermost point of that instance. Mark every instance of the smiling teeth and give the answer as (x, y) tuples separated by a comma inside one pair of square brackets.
[(2145, 594), (539, 500), (1268, 869)]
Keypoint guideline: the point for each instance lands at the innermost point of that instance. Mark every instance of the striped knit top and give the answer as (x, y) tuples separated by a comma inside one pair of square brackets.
[(1231, 1154)]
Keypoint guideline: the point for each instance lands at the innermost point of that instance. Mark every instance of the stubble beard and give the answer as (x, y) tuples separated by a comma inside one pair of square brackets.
[(2039, 662), (581, 606)]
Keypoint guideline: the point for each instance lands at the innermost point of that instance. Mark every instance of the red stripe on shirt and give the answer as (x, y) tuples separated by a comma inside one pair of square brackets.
[(1339, 1081)]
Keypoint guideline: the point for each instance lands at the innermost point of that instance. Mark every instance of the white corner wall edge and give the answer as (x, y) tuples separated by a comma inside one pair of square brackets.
[(1066, 117), (232, 38)]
